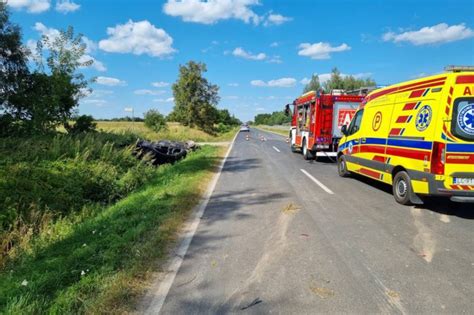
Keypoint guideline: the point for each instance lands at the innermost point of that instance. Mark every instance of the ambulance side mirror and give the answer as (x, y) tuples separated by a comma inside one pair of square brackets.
[(344, 130), (287, 110)]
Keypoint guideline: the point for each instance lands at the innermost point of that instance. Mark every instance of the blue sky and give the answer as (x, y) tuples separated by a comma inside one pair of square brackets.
[(258, 52)]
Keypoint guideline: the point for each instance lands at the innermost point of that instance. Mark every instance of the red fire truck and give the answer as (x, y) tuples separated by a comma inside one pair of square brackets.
[(317, 119)]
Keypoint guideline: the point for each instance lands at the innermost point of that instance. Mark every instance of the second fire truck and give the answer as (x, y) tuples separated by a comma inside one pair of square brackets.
[(317, 119)]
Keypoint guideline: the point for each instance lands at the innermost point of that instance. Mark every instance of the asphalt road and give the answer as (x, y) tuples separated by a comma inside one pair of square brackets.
[(274, 240)]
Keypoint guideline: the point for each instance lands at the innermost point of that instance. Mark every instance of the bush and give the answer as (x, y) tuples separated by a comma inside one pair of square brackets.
[(84, 124), (154, 120)]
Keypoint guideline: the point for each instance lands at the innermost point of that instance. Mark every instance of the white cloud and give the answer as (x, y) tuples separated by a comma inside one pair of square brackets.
[(283, 82), (148, 92), (274, 44), (66, 6), (275, 59), (160, 84), (32, 6), (231, 97), (138, 38), (305, 81), (97, 102), (233, 84), (164, 100), (101, 93), (210, 12), (320, 50), (437, 34), (108, 81), (260, 109), (240, 52), (52, 34), (276, 19), (96, 64)]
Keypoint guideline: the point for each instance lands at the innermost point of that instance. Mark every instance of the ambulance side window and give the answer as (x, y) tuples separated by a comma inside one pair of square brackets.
[(356, 122), (462, 124)]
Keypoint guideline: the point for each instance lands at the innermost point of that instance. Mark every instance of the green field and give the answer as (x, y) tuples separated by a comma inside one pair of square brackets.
[(281, 130), (84, 223), (175, 131)]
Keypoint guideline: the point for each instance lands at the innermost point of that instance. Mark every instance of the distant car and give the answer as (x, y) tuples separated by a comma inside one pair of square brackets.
[(245, 128)]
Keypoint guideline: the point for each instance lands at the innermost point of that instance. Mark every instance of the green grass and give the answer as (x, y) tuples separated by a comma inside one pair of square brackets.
[(281, 130), (97, 259), (175, 131)]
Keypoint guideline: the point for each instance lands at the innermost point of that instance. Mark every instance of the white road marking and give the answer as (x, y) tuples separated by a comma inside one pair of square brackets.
[(329, 191), (276, 149), (189, 230)]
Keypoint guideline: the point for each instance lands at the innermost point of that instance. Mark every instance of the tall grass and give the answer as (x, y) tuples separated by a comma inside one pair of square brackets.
[(82, 220), (281, 130), (174, 131), (95, 260), (45, 178)]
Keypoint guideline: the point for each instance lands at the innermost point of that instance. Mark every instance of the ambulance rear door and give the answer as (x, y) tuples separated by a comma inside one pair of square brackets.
[(459, 138)]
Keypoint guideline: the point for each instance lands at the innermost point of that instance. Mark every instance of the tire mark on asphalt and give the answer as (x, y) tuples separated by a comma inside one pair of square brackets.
[(274, 250), (423, 241)]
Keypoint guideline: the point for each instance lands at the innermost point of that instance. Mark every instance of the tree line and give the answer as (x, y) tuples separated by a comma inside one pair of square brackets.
[(275, 118), (337, 81)]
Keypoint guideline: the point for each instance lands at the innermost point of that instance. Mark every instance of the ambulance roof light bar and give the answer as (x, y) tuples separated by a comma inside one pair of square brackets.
[(453, 68)]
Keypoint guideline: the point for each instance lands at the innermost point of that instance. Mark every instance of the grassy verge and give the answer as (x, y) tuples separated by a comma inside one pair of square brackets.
[(97, 260), (281, 130), (175, 131)]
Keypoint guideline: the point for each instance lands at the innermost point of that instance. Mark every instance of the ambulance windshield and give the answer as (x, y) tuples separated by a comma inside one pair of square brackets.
[(463, 119)]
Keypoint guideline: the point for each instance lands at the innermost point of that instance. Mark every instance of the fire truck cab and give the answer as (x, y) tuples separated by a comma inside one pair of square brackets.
[(317, 119)]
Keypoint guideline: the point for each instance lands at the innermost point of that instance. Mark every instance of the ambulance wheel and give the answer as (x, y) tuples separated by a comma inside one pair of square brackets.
[(307, 154), (402, 189), (342, 166)]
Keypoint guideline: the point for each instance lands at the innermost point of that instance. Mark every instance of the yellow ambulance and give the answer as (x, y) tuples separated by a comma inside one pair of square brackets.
[(417, 136)]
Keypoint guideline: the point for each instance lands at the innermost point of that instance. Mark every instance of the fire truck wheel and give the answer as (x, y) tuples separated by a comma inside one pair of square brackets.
[(402, 188), (342, 166), (307, 154)]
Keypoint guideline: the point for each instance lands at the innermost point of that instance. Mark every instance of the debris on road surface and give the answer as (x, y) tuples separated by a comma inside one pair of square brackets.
[(291, 208), (164, 151), (254, 302), (321, 292), (393, 294)]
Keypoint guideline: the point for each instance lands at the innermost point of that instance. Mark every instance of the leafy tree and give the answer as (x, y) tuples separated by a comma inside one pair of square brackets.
[(337, 81), (13, 67), (83, 124), (313, 84), (47, 97), (154, 120), (227, 119), (275, 118), (195, 98)]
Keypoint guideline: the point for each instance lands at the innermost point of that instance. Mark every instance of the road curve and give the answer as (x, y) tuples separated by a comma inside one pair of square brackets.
[(284, 235)]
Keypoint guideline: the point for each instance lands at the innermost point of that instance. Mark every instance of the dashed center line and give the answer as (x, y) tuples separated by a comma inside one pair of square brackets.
[(324, 187), (276, 149)]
